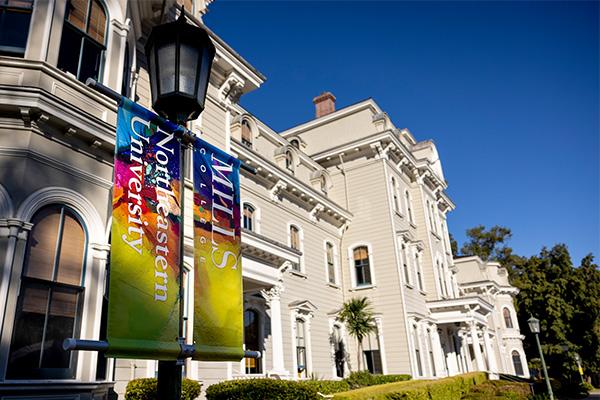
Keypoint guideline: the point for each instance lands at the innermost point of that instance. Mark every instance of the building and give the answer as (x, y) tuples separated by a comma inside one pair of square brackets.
[(362, 213)]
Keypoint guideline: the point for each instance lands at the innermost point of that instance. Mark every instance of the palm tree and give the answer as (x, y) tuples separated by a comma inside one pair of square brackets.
[(357, 315)]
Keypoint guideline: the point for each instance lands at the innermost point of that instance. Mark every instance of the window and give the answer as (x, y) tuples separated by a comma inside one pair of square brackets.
[(301, 348), (295, 143), (329, 255), (248, 217), (395, 202), (517, 363), (419, 270), (372, 353), (405, 264), (417, 347), (289, 161), (507, 318), (83, 39), (51, 297), (432, 217), (15, 17), (246, 134), (362, 267), (409, 207), (441, 280), (252, 340), (339, 351), (295, 244)]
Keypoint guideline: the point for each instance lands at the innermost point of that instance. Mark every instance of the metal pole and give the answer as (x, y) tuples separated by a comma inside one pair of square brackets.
[(548, 386)]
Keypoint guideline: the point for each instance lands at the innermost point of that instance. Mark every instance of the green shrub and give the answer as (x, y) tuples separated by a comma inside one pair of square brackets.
[(447, 388), (365, 378), (326, 386), (261, 389), (499, 390), (145, 389)]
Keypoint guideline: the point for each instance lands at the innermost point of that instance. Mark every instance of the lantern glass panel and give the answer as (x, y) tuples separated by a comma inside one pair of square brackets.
[(203, 76), (166, 69), (534, 325), (188, 65)]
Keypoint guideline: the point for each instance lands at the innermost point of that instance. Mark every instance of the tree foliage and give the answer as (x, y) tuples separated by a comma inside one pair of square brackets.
[(565, 298), (357, 315)]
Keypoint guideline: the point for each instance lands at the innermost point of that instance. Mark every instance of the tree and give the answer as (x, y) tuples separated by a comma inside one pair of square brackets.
[(357, 315), (490, 245), (453, 245)]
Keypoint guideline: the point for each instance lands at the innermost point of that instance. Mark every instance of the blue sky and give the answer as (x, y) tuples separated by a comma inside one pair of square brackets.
[(509, 92)]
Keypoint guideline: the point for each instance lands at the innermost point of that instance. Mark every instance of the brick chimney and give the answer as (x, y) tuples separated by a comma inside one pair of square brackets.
[(324, 104)]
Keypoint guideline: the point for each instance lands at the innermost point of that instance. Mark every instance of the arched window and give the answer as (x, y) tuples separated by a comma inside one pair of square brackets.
[(301, 348), (517, 363), (295, 243), (394, 188), (252, 340), (295, 143), (289, 161), (246, 133), (441, 278), (51, 297), (409, 207), (15, 17), (407, 279), (339, 351), (362, 266), (83, 39), (329, 256), (248, 217), (507, 318), (419, 270)]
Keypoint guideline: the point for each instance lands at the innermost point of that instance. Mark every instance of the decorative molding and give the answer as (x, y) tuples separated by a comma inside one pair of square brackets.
[(6, 205), (275, 191), (231, 90), (61, 195), (274, 293)]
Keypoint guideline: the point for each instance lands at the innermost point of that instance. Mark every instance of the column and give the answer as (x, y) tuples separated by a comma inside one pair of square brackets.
[(438, 352), (491, 354), (477, 347), (273, 297), (13, 242)]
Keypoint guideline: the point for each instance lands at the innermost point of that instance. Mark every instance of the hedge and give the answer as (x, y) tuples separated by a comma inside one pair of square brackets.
[(261, 389), (447, 388), (145, 389), (325, 386), (365, 378), (499, 390)]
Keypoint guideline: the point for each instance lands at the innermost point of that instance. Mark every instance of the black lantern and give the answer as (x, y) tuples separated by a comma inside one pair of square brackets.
[(534, 325), (179, 58)]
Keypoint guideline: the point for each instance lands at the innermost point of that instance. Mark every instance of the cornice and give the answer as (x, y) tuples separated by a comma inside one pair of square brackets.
[(288, 183)]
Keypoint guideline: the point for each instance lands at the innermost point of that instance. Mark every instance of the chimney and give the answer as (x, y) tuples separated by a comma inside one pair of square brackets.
[(324, 104)]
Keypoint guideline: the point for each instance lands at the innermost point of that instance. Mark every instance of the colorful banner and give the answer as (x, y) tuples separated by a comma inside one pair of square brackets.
[(143, 309), (218, 297)]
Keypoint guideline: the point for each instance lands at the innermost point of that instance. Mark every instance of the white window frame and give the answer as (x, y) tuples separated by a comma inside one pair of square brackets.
[(335, 263), (256, 217), (353, 270), (406, 274), (306, 318), (301, 249), (419, 269), (409, 206)]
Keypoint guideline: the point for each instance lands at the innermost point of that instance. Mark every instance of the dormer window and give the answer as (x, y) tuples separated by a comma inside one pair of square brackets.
[(83, 39), (295, 143), (15, 17), (246, 134), (289, 161)]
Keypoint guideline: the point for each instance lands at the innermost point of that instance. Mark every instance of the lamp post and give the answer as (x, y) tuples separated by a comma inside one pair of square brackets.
[(179, 59), (534, 327)]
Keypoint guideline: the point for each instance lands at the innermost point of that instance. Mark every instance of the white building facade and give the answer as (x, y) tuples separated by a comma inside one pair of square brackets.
[(342, 206)]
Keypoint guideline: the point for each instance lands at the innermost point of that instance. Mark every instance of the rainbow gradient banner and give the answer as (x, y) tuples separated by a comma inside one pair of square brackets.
[(218, 292), (143, 308)]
